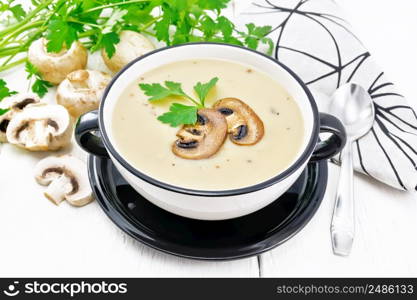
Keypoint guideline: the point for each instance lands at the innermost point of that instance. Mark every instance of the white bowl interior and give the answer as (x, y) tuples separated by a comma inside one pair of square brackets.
[(210, 51)]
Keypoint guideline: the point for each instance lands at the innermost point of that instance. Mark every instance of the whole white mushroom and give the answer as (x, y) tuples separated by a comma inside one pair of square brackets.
[(54, 67), (131, 46), (82, 90)]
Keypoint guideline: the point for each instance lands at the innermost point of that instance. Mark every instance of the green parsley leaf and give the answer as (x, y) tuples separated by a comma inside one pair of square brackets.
[(5, 91), (179, 114), (226, 27), (18, 12), (3, 111), (270, 44), (3, 7), (108, 42), (256, 35), (203, 89), (234, 41), (175, 88), (162, 26), (208, 27), (60, 34), (252, 42), (258, 31), (86, 5), (183, 32), (40, 87), (30, 69), (213, 4), (138, 17), (157, 92)]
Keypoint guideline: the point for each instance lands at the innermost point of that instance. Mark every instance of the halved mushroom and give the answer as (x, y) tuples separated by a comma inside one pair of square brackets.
[(54, 67), (244, 125), (14, 104), (203, 139), (40, 127), (130, 46), (82, 90), (66, 178)]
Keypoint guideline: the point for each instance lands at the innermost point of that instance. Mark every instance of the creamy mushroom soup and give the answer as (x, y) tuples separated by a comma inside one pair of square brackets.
[(146, 143)]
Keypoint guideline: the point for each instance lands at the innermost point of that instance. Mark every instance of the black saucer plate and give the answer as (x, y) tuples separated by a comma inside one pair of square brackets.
[(208, 240)]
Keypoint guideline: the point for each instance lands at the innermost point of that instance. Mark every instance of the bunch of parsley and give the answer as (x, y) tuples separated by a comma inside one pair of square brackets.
[(97, 24)]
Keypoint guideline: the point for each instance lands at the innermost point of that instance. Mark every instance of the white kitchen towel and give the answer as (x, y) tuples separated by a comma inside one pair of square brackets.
[(314, 40)]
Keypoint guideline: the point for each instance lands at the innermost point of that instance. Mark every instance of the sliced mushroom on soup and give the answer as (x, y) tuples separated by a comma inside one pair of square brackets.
[(244, 125)]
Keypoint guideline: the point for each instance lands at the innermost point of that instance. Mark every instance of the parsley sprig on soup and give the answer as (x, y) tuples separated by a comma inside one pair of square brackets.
[(208, 125)]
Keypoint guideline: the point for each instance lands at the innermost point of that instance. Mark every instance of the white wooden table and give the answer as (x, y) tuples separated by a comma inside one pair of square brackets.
[(40, 239)]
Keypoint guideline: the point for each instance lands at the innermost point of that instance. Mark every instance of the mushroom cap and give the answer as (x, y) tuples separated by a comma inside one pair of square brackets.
[(131, 46), (203, 139), (66, 178), (244, 125), (15, 104), (40, 127), (82, 90), (54, 67)]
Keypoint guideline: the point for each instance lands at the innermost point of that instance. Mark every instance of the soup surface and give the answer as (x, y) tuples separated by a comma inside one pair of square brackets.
[(146, 142)]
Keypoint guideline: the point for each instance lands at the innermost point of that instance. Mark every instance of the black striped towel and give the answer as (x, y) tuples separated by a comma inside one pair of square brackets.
[(314, 40)]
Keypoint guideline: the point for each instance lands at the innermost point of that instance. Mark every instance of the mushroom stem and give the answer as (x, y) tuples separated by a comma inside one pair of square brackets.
[(79, 79), (55, 191), (41, 135)]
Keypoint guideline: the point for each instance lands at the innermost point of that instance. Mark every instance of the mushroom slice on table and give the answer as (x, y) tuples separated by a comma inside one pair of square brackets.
[(130, 46), (66, 178), (15, 104), (40, 127), (54, 67), (244, 125), (82, 90), (203, 139)]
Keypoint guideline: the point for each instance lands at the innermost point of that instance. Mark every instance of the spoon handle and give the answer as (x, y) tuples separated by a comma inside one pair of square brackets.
[(343, 226)]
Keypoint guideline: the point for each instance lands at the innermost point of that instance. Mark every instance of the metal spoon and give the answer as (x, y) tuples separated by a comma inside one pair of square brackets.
[(353, 105)]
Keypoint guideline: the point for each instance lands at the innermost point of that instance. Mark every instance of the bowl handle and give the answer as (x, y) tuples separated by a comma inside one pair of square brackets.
[(334, 144), (87, 134)]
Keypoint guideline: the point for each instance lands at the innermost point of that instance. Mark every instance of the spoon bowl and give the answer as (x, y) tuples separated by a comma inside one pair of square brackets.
[(353, 105)]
